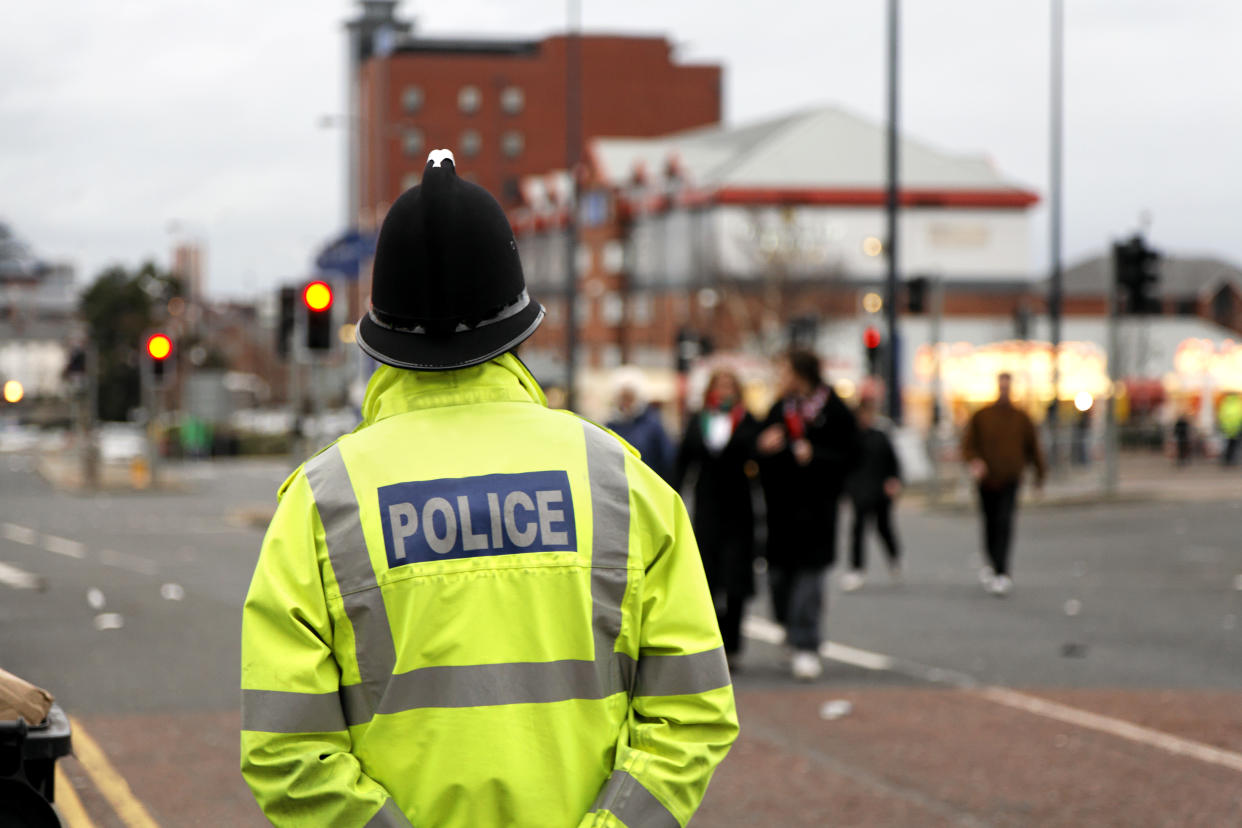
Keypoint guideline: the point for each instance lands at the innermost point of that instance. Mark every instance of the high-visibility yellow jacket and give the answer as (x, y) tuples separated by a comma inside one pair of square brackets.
[(476, 611)]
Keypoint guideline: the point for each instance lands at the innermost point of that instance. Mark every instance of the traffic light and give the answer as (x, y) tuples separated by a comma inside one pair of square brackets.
[(1137, 270), (916, 294), (286, 319), (159, 349), (871, 347), (317, 296)]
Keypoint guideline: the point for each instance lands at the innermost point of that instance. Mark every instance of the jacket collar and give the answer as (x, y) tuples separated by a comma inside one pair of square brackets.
[(393, 391)]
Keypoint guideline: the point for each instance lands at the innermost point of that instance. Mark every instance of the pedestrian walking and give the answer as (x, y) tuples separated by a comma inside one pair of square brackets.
[(873, 486), (1000, 441), (474, 610), (1183, 438), (637, 422), (717, 450), (1229, 415), (806, 445)]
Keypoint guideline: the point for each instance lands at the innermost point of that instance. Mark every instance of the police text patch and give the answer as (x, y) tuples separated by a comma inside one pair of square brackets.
[(465, 517)]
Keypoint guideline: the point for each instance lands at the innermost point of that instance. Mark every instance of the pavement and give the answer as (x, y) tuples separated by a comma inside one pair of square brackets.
[(1107, 690)]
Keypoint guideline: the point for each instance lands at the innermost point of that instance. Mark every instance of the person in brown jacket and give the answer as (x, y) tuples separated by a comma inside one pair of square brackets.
[(999, 442)]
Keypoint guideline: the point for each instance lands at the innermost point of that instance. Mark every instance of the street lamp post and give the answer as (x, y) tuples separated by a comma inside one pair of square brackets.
[(573, 147), (1055, 287)]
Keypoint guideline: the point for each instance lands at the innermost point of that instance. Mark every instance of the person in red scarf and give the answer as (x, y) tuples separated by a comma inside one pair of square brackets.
[(807, 445), (717, 450)]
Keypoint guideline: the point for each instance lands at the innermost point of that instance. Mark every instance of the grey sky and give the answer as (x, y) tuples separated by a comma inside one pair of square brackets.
[(127, 123)]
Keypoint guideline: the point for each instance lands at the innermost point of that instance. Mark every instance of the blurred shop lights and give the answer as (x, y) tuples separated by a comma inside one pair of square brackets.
[(968, 372)]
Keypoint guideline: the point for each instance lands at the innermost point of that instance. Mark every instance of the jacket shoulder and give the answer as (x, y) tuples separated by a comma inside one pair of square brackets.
[(301, 469), (575, 415)]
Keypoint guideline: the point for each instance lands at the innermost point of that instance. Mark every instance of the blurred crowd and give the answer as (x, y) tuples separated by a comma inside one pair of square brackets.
[(769, 487)]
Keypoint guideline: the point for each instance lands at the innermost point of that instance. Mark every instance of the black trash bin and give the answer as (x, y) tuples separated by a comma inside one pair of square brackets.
[(28, 755)]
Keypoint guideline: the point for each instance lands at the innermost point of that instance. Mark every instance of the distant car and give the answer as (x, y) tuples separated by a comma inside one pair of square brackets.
[(121, 441)]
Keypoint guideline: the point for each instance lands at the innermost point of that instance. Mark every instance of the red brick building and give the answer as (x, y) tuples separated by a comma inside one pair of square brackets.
[(500, 105)]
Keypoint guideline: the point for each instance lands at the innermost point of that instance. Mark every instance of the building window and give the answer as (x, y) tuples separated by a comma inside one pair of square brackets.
[(612, 309), (614, 256), (412, 99), (640, 308), (471, 143), (410, 180), (413, 142), (512, 143), (512, 100), (469, 99)]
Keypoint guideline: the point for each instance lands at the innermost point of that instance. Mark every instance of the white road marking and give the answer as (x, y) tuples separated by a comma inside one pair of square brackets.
[(859, 658), (19, 534), (125, 560), (1114, 727), (763, 629), (19, 578), (64, 546)]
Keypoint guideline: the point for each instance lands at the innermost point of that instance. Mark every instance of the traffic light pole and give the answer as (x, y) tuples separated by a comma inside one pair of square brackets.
[(892, 369), (933, 433), (1109, 483), (150, 402)]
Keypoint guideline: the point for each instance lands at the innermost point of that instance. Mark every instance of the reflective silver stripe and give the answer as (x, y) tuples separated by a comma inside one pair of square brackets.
[(347, 552), (512, 309), (481, 685), (276, 711), (389, 816), (626, 799), (610, 552), (681, 675)]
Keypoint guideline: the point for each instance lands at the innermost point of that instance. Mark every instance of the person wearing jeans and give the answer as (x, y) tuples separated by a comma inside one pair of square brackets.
[(806, 446), (999, 443)]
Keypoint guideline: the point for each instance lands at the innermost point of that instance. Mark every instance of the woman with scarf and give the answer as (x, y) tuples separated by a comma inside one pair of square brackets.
[(717, 448), (806, 446)]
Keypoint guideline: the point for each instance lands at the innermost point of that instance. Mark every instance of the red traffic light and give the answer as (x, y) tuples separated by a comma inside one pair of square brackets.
[(159, 346), (317, 296), (871, 338)]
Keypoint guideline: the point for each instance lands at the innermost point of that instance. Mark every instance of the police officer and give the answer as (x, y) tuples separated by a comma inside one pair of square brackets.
[(473, 610)]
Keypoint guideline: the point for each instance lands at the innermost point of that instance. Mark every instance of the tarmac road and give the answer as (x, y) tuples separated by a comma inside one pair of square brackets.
[(1124, 708)]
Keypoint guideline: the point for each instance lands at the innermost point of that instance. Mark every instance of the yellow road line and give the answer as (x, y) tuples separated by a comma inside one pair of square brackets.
[(69, 805), (109, 782)]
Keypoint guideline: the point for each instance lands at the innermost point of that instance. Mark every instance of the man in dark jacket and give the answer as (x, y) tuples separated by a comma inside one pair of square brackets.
[(806, 446), (872, 487), (1000, 441)]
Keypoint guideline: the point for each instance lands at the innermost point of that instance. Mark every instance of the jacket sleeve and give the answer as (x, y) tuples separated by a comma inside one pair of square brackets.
[(682, 718), (970, 439), (1034, 453), (687, 454), (894, 462), (836, 444), (295, 746)]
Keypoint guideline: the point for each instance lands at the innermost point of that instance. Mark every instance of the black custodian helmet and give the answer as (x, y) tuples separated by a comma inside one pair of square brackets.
[(447, 289)]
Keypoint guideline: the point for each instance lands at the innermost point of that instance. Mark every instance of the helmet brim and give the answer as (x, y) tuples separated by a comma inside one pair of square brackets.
[(427, 352)]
